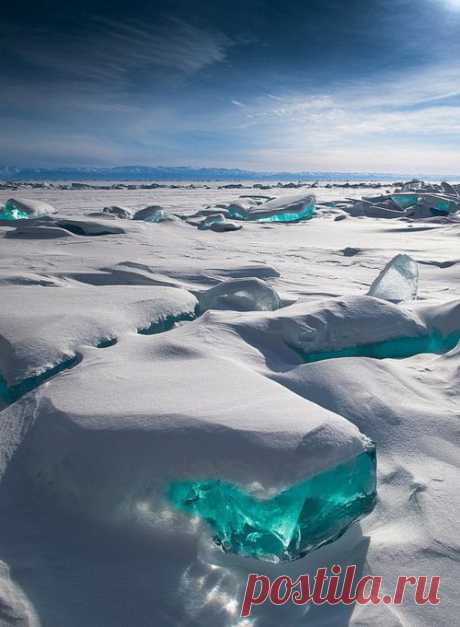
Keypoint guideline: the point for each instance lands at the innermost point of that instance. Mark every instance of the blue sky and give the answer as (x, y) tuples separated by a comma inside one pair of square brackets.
[(368, 85)]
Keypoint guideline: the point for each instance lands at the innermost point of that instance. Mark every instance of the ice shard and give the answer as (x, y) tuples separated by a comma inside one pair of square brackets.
[(398, 281), (404, 200), (12, 213), (287, 209), (291, 524), (21, 209)]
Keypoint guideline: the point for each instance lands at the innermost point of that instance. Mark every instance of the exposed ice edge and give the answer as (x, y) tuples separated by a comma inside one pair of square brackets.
[(275, 438), (279, 439), (33, 340)]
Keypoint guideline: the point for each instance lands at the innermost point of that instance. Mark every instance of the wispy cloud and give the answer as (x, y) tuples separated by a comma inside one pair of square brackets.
[(113, 52)]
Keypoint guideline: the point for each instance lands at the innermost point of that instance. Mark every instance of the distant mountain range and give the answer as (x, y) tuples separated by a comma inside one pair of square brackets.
[(178, 173)]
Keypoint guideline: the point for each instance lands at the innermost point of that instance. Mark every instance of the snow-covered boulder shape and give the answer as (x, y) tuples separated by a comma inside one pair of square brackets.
[(225, 226), (398, 281), (210, 220), (155, 213), (120, 212), (22, 209), (292, 208), (218, 223), (88, 227), (240, 295), (33, 230)]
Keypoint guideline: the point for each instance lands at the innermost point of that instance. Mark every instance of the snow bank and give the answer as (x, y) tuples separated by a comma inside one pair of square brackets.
[(40, 328)]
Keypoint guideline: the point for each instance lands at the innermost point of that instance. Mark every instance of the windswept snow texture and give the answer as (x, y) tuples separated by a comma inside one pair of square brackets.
[(249, 371)]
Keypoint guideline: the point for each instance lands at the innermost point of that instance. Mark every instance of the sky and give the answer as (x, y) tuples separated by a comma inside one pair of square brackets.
[(269, 85)]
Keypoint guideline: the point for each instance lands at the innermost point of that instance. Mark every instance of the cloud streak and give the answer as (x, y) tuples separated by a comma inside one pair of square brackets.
[(114, 52)]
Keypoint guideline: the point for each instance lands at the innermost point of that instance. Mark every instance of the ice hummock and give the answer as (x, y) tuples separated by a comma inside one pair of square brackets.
[(285, 209), (398, 281), (291, 524)]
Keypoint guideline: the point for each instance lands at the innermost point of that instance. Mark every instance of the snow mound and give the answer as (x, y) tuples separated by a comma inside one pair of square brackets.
[(33, 230), (40, 328), (112, 456), (89, 227), (249, 294), (320, 326), (225, 226)]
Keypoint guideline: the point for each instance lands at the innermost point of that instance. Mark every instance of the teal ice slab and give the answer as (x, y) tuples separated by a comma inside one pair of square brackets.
[(399, 348), (306, 213), (11, 212), (289, 525), (404, 200), (167, 323)]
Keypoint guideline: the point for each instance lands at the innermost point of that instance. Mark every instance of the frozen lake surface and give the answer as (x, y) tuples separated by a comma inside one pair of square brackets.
[(125, 368)]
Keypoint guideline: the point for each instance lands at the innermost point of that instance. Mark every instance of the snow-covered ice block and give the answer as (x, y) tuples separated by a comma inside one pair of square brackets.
[(155, 213), (36, 230), (89, 227), (292, 208), (311, 331), (210, 220), (109, 441), (120, 212), (226, 226), (398, 281), (41, 328), (22, 208), (249, 294)]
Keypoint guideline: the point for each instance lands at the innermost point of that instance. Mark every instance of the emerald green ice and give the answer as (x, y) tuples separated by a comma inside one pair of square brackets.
[(11, 212), (289, 215), (298, 520), (404, 200), (398, 348)]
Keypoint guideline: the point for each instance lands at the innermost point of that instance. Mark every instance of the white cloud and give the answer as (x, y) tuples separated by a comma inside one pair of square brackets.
[(111, 52)]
